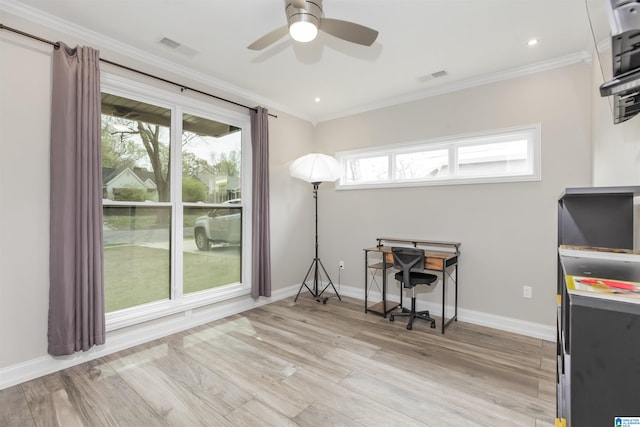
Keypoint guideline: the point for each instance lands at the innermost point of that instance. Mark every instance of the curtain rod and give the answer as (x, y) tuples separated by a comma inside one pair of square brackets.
[(106, 61)]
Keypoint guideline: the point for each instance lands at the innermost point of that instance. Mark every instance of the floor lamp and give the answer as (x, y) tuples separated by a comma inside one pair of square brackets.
[(316, 168)]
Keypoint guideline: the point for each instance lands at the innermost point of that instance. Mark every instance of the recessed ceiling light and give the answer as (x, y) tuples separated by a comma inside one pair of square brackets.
[(317, 99), (532, 42)]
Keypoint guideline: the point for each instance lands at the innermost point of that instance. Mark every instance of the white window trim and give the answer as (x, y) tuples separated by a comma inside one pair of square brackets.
[(179, 103), (451, 143)]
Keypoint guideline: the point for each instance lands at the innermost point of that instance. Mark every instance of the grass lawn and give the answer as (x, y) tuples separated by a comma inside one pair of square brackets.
[(136, 274), (114, 218), (205, 270)]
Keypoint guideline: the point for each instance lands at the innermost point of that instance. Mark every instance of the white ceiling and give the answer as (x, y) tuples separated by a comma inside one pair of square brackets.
[(472, 40)]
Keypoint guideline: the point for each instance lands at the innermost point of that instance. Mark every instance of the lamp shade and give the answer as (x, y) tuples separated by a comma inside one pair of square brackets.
[(315, 167)]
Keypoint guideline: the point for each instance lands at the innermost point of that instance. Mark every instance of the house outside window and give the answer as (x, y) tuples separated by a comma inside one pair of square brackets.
[(175, 202)]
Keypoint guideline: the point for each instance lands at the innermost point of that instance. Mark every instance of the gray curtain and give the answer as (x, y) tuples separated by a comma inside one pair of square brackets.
[(76, 295), (261, 253)]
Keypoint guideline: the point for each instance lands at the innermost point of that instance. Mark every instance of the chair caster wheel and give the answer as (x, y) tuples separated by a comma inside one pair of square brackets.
[(391, 318), (433, 325), (409, 327)]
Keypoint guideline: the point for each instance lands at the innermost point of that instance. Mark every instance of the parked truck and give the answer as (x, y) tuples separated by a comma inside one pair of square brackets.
[(220, 226)]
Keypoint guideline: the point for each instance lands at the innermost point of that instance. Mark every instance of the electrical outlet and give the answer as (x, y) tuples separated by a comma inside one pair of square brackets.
[(527, 292), (341, 265)]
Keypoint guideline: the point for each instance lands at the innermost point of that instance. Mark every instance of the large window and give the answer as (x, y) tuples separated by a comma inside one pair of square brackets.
[(498, 156), (174, 202)]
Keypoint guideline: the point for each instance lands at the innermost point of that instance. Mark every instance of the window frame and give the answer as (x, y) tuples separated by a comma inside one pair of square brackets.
[(178, 104), (531, 132)]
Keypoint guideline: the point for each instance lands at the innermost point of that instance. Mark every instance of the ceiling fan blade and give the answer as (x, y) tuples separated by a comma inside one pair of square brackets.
[(300, 4), (349, 31), (269, 38)]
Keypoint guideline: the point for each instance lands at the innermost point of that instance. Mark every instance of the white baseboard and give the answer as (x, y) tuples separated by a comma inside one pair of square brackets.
[(121, 339), (508, 324), (125, 338)]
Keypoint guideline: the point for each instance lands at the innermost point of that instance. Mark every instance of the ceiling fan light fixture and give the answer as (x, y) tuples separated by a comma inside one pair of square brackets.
[(303, 18), (303, 31), (304, 21)]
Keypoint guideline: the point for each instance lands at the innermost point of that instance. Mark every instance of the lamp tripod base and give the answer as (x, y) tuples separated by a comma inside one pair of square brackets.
[(317, 268)]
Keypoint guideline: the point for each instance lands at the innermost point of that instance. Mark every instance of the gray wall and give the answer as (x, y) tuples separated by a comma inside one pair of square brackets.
[(25, 109), (508, 231)]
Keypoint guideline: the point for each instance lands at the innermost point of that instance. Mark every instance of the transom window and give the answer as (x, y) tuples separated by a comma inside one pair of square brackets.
[(498, 156), (174, 203)]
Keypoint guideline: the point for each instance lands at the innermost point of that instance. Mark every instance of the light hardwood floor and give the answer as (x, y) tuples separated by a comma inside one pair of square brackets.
[(302, 364)]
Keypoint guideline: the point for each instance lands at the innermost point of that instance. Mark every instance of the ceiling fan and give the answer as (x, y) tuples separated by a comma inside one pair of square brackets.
[(304, 19)]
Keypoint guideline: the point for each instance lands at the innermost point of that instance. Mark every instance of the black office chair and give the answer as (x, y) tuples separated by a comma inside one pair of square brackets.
[(410, 262)]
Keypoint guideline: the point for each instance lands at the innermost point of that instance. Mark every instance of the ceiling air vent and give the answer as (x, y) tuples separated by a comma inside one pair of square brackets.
[(432, 76), (170, 43), (178, 47)]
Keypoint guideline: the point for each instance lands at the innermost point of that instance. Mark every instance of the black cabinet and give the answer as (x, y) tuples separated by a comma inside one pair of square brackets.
[(602, 219), (599, 361), (598, 337), (605, 361)]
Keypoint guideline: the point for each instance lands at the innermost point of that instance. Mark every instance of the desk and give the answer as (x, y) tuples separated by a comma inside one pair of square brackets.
[(435, 260)]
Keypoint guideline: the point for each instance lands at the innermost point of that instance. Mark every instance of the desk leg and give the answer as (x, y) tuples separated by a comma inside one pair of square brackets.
[(384, 287), (444, 293), (401, 290), (445, 323), (455, 317), (366, 279)]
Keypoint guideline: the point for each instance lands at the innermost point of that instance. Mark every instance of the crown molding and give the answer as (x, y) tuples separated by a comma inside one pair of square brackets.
[(100, 41), (499, 76)]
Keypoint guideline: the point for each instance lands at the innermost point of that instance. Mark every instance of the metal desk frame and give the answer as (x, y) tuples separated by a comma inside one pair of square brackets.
[(439, 261)]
